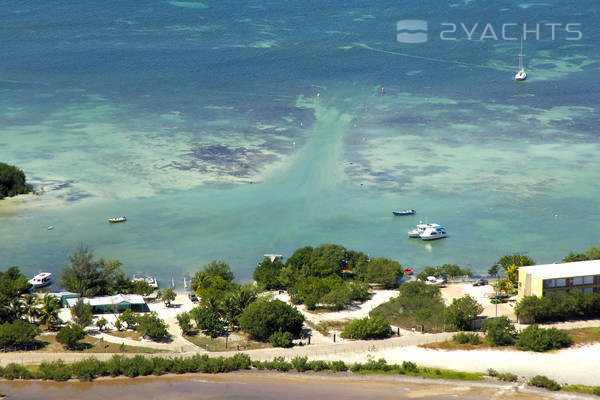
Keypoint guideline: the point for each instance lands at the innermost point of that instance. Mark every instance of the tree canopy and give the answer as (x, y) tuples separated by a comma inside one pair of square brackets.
[(13, 284), (461, 312), (12, 181), (88, 278), (264, 317)]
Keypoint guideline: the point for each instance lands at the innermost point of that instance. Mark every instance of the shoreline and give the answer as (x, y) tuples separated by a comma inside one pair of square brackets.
[(410, 387)]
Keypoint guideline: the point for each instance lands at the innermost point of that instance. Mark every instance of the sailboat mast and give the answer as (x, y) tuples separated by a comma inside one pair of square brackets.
[(521, 56)]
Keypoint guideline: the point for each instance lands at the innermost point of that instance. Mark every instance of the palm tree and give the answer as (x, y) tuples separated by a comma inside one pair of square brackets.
[(16, 308), (48, 314), (30, 303)]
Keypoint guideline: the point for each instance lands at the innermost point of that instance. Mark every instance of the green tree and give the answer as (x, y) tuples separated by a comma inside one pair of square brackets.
[(82, 313), (30, 307), (118, 325), (48, 312), (572, 257), (12, 285), (512, 274), (18, 334), (142, 288), (236, 301), (384, 272), (12, 181), (266, 274), (515, 259), (493, 270), (264, 317), (129, 317), (461, 312), (184, 320), (368, 328), (208, 321), (70, 336), (101, 323), (500, 331), (167, 295), (593, 253), (150, 325)]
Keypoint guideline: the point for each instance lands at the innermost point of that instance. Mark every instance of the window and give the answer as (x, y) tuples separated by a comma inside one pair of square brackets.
[(588, 290), (588, 280), (549, 283), (561, 282), (578, 281)]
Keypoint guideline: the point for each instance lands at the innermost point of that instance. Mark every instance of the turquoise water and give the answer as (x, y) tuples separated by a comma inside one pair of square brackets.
[(200, 122)]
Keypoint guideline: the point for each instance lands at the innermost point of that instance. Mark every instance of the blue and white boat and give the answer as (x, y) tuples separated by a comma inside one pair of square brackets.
[(433, 233), (404, 212)]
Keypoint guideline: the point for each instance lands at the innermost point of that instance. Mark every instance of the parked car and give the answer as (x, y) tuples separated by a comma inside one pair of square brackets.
[(192, 296), (480, 282)]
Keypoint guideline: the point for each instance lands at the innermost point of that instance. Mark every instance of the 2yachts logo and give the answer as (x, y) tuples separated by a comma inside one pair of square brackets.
[(415, 31)]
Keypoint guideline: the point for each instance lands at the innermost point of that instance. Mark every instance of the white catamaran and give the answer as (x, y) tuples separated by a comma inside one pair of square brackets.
[(521, 75)]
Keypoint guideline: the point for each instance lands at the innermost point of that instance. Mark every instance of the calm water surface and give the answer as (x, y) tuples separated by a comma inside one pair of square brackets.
[(200, 122)]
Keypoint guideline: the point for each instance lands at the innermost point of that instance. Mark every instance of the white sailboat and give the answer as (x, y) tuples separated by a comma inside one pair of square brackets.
[(521, 75)]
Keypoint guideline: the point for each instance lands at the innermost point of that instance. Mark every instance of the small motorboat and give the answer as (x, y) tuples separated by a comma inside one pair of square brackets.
[(432, 280), (415, 233), (40, 280), (408, 271), (433, 233), (150, 280), (404, 212), (117, 219)]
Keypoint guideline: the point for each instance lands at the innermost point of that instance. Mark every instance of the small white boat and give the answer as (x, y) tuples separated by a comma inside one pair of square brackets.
[(433, 233), (117, 219), (415, 233), (50, 227), (432, 280), (521, 75), (40, 280), (150, 280)]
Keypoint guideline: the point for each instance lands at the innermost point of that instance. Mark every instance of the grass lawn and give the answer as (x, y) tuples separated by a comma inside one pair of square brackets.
[(92, 345), (454, 345), (218, 344), (434, 373), (128, 334), (582, 389), (584, 335), (324, 327)]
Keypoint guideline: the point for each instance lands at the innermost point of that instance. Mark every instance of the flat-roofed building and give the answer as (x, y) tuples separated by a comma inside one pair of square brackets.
[(116, 303), (543, 280)]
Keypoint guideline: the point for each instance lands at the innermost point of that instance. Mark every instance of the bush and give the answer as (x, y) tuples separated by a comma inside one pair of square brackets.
[(129, 317), (463, 338), (161, 366), (318, 365), (185, 322), (500, 331), (507, 377), (208, 321), (281, 339), (539, 339), (300, 364), (152, 326), (544, 382), (462, 312), (16, 371), (368, 328), (338, 366), (88, 369), (55, 370), (266, 274), (410, 366), (263, 318), (70, 336)]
